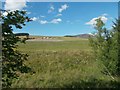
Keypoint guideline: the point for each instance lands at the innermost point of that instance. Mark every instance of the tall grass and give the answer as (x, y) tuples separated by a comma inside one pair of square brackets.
[(60, 65)]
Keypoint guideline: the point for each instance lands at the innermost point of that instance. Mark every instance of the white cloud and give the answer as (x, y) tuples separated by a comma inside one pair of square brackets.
[(104, 19), (93, 21), (43, 22), (5, 13), (93, 34), (56, 21), (58, 15), (63, 7), (34, 18), (51, 9), (15, 5)]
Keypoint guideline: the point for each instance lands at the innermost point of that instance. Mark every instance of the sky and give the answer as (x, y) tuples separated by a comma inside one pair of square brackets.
[(63, 18)]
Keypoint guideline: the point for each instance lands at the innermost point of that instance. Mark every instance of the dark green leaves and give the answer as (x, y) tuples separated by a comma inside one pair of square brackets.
[(13, 60)]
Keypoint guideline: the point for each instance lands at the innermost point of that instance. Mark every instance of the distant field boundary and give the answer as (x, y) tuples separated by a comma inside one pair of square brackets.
[(45, 40)]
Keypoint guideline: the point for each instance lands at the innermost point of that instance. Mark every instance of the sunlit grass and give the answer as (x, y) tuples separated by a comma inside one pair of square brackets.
[(74, 44)]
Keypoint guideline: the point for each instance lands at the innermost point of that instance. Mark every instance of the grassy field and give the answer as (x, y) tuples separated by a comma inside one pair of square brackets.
[(69, 63), (67, 44)]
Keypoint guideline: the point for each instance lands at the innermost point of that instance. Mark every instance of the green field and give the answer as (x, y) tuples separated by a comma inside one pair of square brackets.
[(68, 63), (74, 44)]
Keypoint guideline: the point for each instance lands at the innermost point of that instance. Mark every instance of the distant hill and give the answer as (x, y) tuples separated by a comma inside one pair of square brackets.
[(81, 35)]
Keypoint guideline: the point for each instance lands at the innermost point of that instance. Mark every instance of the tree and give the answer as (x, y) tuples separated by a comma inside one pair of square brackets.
[(116, 42), (105, 47), (12, 59)]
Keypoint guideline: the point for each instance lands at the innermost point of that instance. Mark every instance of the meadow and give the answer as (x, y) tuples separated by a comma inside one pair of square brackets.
[(65, 64)]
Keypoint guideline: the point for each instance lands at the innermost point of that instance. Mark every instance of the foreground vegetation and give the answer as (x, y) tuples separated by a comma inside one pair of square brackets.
[(65, 64)]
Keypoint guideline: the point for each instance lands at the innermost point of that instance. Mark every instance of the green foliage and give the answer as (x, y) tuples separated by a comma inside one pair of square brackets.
[(116, 42), (105, 46), (12, 59)]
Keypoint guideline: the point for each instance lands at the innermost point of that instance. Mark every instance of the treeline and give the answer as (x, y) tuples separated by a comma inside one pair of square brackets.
[(21, 34)]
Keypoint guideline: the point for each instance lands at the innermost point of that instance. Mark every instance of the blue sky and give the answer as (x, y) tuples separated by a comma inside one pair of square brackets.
[(67, 18)]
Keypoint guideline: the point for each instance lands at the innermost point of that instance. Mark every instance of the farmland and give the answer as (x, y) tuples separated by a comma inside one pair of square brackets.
[(68, 63)]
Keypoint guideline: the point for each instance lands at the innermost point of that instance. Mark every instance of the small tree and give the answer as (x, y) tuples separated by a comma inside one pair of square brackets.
[(104, 46), (12, 59)]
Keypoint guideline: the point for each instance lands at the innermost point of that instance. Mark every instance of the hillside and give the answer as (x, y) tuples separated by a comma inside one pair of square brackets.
[(80, 35)]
